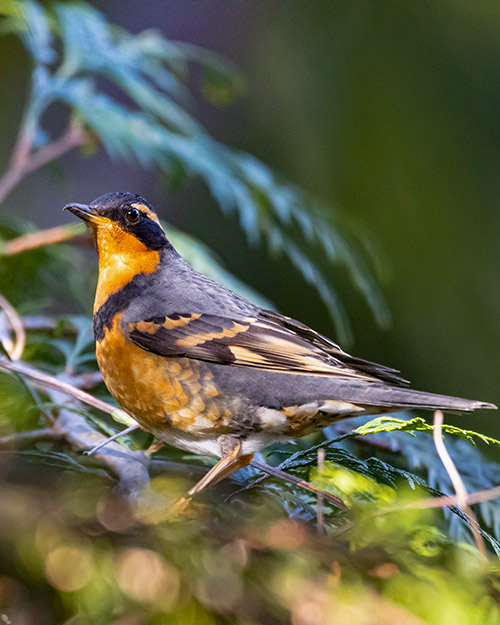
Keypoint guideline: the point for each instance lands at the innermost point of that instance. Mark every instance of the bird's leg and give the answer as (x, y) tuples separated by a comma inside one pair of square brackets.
[(112, 438), (239, 463), (231, 461), (154, 447)]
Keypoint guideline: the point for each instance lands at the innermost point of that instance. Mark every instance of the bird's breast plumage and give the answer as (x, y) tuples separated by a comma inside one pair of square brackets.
[(160, 392)]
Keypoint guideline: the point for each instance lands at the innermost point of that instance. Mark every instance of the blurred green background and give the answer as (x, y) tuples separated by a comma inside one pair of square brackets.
[(388, 112)]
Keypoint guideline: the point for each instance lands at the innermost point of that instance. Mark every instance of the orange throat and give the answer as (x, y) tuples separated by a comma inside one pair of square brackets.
[(121, 257)]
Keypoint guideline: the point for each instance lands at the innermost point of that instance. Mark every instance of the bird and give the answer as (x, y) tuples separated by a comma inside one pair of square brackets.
[(206, 370)]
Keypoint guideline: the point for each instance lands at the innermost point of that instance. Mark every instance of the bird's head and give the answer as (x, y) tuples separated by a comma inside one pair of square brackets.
[(120, 222), (128, 235)]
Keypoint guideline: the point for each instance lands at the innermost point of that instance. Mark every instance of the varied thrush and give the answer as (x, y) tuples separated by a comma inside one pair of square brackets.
[(206, 370)]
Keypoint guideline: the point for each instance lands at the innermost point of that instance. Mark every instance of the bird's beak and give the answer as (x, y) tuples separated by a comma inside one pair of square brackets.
[(85, 213)]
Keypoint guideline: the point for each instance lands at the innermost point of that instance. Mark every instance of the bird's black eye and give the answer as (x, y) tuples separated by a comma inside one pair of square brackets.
[(133, 215)]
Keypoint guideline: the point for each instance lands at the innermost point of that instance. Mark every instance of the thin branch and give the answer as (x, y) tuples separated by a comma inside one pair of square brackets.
[(445, 457), (131, 428), (131, 467), (297, 481), (14, 350), (155, 446), (39, 322), (24, 161), (49, 381), (24, 143), (445, 502), (87, 380), (23, 438), (72, 138), (319, 505), (49, 236), (20, 155), (43, 323), (456, 480)]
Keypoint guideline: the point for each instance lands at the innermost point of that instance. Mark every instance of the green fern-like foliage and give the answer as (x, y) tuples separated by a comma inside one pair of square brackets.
[(158, 130)]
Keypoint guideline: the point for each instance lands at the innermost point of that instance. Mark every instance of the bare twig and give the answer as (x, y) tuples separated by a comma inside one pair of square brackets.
[(39, 322), (15, 171), (297, 481), (24, 161), (445, 457), (39, 238), (24, 143), (87, 380), (131, 428), (14, 350), (456, 480), (43, 323), (131, 467), (24, 438), (445, 502), (72, 138), (428, 503), (58, 384), (319, 504), (481, 495)]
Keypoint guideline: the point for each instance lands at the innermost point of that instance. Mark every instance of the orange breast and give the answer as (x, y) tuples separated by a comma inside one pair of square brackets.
[(160, 392)]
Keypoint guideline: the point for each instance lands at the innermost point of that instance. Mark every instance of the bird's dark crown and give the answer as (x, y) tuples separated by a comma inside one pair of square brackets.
[(112, 203)]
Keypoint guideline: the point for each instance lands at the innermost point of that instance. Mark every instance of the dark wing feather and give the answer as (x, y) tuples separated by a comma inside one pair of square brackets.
[(267, 341), (382, 372)]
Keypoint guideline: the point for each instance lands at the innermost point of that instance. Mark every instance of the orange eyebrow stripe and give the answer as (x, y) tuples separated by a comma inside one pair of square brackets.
[(145, 209)]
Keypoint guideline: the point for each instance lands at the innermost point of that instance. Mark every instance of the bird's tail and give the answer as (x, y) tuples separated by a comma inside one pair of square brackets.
[(405, 399)]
